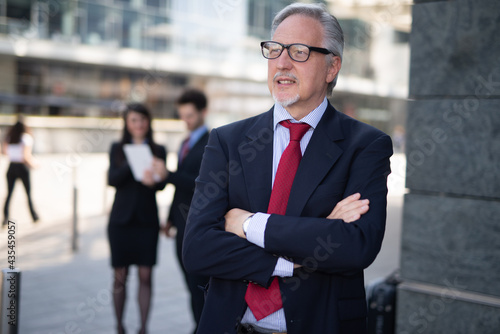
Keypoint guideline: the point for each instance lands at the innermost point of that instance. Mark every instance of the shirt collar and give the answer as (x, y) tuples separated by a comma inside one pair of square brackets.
[(312, 118), (196, 134)]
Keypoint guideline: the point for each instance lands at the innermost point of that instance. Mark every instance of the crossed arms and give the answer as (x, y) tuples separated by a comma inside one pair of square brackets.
[(214, 243)]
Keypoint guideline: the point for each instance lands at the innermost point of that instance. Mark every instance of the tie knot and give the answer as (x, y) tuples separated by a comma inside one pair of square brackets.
[(297, 130)]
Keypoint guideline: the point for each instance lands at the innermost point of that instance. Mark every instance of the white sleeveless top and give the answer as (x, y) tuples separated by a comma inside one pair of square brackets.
[(15, 152)]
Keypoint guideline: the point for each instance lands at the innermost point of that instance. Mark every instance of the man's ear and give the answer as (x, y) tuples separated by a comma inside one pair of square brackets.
[(333, 69)]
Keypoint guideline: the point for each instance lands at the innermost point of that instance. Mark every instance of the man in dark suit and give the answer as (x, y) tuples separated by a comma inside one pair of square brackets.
[(306, 262), (192, 109)]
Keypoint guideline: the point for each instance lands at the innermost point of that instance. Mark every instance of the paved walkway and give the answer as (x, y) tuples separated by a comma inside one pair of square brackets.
[(63, 291)]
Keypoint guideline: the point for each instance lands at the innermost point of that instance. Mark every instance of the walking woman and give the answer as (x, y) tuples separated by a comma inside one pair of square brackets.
[(18, 145), (133, 223)]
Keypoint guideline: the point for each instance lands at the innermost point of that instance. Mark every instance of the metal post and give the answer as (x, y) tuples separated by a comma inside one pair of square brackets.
[(74, 230), (10, 294), (74, 239)]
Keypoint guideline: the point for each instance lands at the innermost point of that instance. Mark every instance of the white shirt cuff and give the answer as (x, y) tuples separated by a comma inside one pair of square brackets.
[(284, 268), (257, 228), (255, 234)]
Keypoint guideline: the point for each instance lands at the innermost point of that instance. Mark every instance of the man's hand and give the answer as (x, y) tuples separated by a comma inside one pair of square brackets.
[(350, 208), (234, 221), (159, 169), (148, 178), (169, 229)]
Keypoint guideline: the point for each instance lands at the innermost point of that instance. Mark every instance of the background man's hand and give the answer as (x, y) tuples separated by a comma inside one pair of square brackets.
[(169, 229), (159, 169), (148, 179), (350, 208)]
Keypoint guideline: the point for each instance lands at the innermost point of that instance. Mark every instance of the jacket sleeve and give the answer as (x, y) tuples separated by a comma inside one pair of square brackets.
[(184, 182), (331, 245), (208, 249), (118, 174), (182, 179)]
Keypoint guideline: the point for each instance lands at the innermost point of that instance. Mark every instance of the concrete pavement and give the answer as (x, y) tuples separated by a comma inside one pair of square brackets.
[(70, 292)]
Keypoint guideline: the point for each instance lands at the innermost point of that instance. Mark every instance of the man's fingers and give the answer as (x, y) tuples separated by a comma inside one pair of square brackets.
[(340, 207), (356, 214), (350, 208), (357, 205), (352, 219)]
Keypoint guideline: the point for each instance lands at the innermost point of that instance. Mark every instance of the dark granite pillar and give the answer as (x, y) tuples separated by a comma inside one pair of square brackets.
[(450, 256)]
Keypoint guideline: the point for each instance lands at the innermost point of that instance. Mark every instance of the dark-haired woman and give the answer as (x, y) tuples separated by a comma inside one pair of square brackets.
[(18, 145), (133, 223)]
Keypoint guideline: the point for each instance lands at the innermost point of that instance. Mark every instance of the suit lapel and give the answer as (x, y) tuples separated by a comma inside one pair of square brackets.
[(321, 154), (256, 154)]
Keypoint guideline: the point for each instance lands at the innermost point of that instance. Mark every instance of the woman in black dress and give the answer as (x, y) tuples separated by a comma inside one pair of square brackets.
[(133, 223)]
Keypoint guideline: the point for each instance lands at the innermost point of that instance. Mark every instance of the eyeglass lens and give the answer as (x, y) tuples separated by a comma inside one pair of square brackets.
[(297, 52)]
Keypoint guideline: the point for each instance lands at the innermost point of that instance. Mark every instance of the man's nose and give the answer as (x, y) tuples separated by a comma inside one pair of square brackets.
[(284, 60)]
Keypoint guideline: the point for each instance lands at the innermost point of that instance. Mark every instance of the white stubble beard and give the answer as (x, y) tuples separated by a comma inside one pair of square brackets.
[(288, 101)]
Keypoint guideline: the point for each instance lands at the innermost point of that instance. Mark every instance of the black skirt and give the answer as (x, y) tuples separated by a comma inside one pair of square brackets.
[(132, 244)]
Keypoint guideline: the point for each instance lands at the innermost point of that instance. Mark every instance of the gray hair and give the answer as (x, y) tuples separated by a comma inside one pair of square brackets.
[(333, 35)]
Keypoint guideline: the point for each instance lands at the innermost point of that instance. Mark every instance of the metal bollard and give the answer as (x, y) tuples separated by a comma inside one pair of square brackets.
[(10, 294), (74, 234)]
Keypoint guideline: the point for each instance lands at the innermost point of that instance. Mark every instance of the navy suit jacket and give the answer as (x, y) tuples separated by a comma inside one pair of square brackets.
[(327, 294)]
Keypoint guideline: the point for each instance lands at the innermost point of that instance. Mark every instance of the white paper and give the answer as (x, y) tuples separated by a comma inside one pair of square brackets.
[(139, 157)]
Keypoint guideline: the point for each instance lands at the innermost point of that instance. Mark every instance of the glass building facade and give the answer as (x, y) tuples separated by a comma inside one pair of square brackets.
[(199, 36), (87, 57)]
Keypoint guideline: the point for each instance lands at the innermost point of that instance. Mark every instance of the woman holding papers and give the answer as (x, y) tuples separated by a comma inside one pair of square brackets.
[(133, 223)]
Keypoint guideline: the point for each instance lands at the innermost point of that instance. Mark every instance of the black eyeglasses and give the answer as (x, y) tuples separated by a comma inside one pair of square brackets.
[(296, 51)]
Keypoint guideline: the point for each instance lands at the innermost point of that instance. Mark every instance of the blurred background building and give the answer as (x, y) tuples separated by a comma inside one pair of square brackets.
[(84, 58)]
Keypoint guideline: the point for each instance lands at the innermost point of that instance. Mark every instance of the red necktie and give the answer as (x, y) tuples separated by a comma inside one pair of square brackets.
[(261, 301), (184, 149)]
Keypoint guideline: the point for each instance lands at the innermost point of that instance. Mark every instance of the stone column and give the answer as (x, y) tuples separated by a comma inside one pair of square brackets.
[(450, 253)]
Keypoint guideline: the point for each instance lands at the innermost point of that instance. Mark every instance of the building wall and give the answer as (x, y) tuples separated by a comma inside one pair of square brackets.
[(451, 226)]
